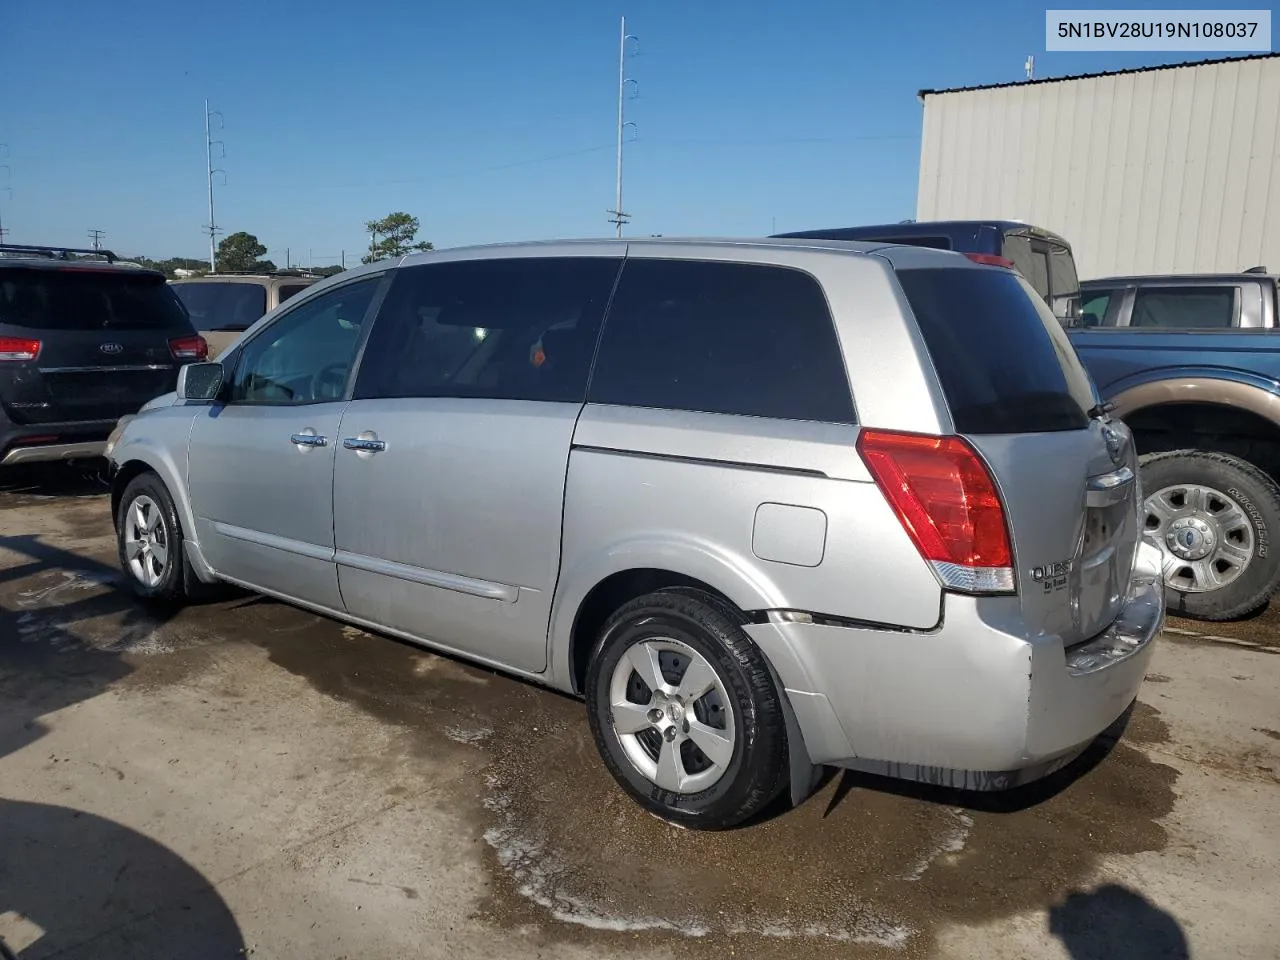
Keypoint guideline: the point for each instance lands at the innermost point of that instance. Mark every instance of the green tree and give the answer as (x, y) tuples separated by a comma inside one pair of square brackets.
[(393, 236), (239, 252)]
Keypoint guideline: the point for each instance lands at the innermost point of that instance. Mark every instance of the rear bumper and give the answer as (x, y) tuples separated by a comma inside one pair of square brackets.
[(41, 443), (975, 704), (44, 453)]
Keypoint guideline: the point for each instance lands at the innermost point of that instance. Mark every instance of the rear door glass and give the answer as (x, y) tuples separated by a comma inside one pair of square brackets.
[(71, 299), (1004, 361), (717, 337), (1031, 263), (223, 306), (1184, 308)]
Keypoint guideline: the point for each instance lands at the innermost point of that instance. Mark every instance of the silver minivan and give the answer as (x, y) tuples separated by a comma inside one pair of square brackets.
[(765, 505)]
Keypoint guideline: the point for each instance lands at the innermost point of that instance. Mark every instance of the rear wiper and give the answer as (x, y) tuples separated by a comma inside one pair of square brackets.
[(1100, 410)]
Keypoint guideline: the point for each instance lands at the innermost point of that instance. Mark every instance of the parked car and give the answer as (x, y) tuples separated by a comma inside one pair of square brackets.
[(83, 342), (1191, 364), (891, 533), (1041, 256), (224, 305)]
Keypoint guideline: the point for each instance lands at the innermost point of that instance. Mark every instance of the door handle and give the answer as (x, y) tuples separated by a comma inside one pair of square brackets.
[(309, 440), (363, 444)]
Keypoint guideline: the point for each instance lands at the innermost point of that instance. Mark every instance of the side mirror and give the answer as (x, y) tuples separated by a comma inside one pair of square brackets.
[(200, 382)]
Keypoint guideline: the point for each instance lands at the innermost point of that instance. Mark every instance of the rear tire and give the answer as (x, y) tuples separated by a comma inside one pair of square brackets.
[(707, 685), (1198, 501), (149, 542)]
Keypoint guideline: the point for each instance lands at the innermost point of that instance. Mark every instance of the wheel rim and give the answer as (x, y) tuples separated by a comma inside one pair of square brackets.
[(146, 541), (1204, 534), (672, 716)]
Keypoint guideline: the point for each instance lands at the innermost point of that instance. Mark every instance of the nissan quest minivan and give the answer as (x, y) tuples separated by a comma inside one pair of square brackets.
[(765, 505)]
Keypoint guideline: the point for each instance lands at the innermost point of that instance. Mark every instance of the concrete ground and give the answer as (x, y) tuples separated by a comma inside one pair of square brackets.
[(246, 779)]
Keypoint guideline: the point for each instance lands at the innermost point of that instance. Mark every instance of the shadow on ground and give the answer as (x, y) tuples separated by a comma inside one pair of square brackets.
[(1114, 921), (73, 884)]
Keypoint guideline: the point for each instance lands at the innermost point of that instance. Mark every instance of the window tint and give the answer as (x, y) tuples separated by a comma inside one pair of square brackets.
[(518, 329), (70, 299), (1093, 311), (305, 355), (722, 338), (1005, 363), (933, 243), (1186, 308), (1062, 272), (222, 306), (1032, 263), (287, 290)]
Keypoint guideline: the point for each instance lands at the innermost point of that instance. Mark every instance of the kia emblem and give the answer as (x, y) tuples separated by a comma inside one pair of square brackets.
[(112, 348)]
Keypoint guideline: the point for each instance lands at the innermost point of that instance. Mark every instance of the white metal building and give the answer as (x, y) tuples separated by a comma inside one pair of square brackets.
[(1162, 170)]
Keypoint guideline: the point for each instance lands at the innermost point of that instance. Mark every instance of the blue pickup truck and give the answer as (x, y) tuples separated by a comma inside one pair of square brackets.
[(1192, 365)]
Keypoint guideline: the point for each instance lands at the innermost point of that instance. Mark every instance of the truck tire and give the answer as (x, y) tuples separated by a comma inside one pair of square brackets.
[(1214, 517)]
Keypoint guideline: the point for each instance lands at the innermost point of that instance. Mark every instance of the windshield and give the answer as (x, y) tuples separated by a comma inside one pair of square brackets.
[(72, 299), (222, 306)]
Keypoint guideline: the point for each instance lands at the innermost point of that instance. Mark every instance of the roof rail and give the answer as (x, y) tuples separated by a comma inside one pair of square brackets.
[(56, 253)]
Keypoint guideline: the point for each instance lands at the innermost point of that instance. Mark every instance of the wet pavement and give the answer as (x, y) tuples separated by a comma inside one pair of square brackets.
[(487, 826)]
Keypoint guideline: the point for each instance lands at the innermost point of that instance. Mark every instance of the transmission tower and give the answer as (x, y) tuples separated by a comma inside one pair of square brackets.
[(95, 236), (212, 227), (617, 216)]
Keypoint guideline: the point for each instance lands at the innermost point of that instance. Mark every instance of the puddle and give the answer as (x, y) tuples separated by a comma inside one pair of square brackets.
[(868, 862)]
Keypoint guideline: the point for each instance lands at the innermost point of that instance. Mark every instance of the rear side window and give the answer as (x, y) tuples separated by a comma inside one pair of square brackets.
[(1005, 363), (223, 306), (722, 338), (517, 329), (287, 290), (1184, 308), (44, 299)]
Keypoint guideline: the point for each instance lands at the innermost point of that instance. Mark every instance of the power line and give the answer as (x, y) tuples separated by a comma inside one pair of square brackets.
[(96, 236)]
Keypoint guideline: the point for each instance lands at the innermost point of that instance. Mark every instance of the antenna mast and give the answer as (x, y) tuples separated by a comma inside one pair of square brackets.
[(619, 218), (1030, 67), (212, 228)]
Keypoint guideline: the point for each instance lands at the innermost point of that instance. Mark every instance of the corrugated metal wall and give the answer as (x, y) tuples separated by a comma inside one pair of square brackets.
[(1163, 171)]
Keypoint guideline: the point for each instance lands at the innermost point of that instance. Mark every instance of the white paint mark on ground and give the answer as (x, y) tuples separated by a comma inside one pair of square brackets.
[(541, 876), (73, 581), (468, 734), (952, 843)]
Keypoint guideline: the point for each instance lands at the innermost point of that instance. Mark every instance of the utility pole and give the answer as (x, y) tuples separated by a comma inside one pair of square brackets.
[(96, 237), (212, 228), (4, 153), (288, 264), (618, 217)]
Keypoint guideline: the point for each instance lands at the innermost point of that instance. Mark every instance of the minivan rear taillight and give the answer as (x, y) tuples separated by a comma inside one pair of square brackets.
[(18, 348), (947, 502), (991, 259), (189, 348)]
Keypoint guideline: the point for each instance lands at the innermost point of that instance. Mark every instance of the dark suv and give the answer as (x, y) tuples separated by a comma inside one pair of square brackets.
[(1041, 256), (84, 340)]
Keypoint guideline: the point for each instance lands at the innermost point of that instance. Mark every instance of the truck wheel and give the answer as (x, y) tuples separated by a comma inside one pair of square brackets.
[(1213, 517)]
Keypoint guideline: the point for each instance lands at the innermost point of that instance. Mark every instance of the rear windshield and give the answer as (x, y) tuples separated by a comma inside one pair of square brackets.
[(223, 306), (1005, 363), (56, 299)]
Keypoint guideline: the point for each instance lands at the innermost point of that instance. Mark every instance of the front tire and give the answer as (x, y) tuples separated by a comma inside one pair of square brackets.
[(1214, 518), (149, 542), (685, 713)]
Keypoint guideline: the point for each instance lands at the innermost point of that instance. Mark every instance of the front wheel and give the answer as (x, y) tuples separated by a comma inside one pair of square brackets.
[(149, 541), (684, 711), (1213, 517)]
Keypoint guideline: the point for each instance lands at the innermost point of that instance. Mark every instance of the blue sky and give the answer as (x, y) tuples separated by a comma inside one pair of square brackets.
[(489, 120)]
